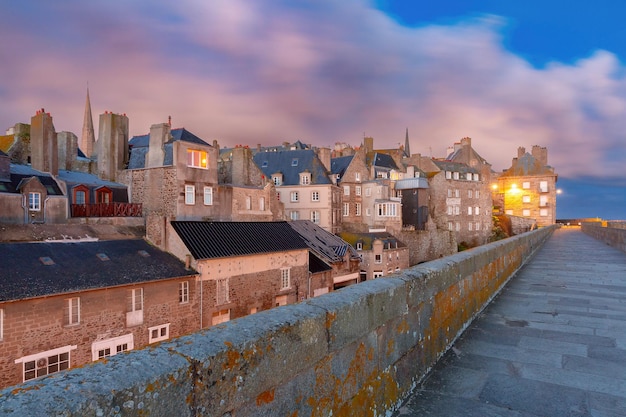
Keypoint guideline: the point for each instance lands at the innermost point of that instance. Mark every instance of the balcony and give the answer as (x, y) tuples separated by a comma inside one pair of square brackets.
[(106, 210)]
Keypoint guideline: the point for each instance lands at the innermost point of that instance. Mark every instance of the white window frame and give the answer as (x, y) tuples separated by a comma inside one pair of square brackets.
[(190, 195), (469, 193), (346, 190), (359, 245), (248, 202), (115, 345), (183, 292), (450, 226), (526, 185), (455, 175), (277, 179), (294, 215), (197, 159), (305, 178), (387, 209), (378, 274), (346, 209), (208, 196), (134, 315), (378, 258), (315, 217), (450, 210), (368, 211), (469, 210), (315, 196), (368, 191), (542, 213), (448, 175), (357, 190), (285, 278), (357, 209), (222, 291), (457, 193), (357, 176), (458, 226), (295, 197), (543, 201), (526, 213), (477, 226), (34, 201), (41, 362), (477, 194), (158, 333), (543, 186), (476, 210), (470, 226), (72, 311), (526, 198)]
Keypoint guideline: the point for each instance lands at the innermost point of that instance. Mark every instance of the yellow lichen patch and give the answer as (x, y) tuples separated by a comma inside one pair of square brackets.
[(330, 318), (265, 397), (228, 344), (403, 327), (232, 359)]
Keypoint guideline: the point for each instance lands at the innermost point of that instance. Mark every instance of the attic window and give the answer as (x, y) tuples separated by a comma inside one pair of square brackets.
[(46, 260), (294, 162), (359, 245), (143, 253), (103, 256)]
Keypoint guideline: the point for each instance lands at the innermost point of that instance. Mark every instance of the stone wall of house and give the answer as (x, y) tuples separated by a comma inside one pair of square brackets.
[(358, 351), (40, 324), (428, 244), (522, 224)]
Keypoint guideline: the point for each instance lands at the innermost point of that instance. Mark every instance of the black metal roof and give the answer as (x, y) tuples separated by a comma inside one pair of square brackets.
[(47, 268), (206, 240)]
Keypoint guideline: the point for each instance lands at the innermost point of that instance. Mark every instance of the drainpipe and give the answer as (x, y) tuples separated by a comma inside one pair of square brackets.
[(201, 292)]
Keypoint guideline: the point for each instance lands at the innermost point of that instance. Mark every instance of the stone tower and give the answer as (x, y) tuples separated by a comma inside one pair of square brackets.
[(87, 138), (43, 143)]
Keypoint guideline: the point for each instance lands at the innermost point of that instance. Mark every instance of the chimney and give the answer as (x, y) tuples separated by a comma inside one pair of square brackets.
[(240, 166), (43, 143), (324, 155), (68, 149), (368, 144), (541, 154), (521, 151), (5, 167), (112, 145), (159, 134), (466, 142)]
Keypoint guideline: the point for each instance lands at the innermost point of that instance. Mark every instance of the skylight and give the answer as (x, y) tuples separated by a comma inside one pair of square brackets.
[(294, 162), (103, 256), (46, 260)]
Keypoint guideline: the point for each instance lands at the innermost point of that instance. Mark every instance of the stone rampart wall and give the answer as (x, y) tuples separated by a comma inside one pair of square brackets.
[(357, 351), (612, 236)]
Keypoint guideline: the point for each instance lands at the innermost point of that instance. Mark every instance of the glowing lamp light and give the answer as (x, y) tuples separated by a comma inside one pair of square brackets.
[(494, 187)]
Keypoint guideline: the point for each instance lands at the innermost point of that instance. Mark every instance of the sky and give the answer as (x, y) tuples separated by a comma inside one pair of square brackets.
[(505, 73)]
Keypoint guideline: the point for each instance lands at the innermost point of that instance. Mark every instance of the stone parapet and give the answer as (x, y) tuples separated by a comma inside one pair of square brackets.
[(357, 351), (614, 234)]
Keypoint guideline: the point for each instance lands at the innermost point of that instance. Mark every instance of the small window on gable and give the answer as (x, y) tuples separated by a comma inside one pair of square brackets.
[(81, 194), (359, 245), (357, 176)]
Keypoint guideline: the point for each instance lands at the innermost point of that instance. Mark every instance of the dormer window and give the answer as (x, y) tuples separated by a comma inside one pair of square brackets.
[(277, 179), (359, 245), (448, 175), (305, 178), (81, 194), (455, 175), (104, 195), (196, 159)]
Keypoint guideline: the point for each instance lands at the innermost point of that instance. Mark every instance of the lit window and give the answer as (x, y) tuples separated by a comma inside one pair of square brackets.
[(158, 333), (526, 185), (346, 209), (222, 293), (208, 196), (196, 159), (526, 213), (294, 196), (190, 195), (45, 363), (315, 196), (285, 278), (315, 216), (526, 199), (543, 212), (72, 311), (346, 190), (183, 292), (111, 347), (543, 201), (34, 201), (294, 215), (357, 209), (509, 212), (357, 190)]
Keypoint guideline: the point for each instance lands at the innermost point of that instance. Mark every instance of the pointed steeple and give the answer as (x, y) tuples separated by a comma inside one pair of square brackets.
[(88, 138), (407, 149)]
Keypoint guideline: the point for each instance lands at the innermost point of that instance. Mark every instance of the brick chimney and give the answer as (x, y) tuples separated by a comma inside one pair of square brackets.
[(521, 151), (43, 143), (68, 149), (368, 144), (324, 155)]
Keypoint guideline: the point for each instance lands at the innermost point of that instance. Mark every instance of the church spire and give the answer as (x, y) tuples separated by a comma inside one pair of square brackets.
[(407, 149), (87, 138)]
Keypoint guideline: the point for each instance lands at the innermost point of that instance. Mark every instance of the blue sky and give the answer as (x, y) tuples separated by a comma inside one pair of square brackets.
[(505, 73)]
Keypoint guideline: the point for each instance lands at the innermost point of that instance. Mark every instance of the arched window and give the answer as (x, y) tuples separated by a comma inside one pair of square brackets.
[(104, 195), (81, 194)]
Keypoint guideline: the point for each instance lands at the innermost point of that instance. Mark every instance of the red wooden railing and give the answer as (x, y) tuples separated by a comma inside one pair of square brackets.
[(106, 210)]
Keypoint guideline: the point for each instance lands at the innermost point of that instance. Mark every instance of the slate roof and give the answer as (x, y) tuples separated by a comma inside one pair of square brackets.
[(329, 246), (208, 240), (291, 164), (367, 239), (383, 160), (139, 147), (93, 182), (339, 165), (20, 173), (77, 267), (455, 167)]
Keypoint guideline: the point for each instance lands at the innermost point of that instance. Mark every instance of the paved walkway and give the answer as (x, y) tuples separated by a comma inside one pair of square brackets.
[(552, 344)]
